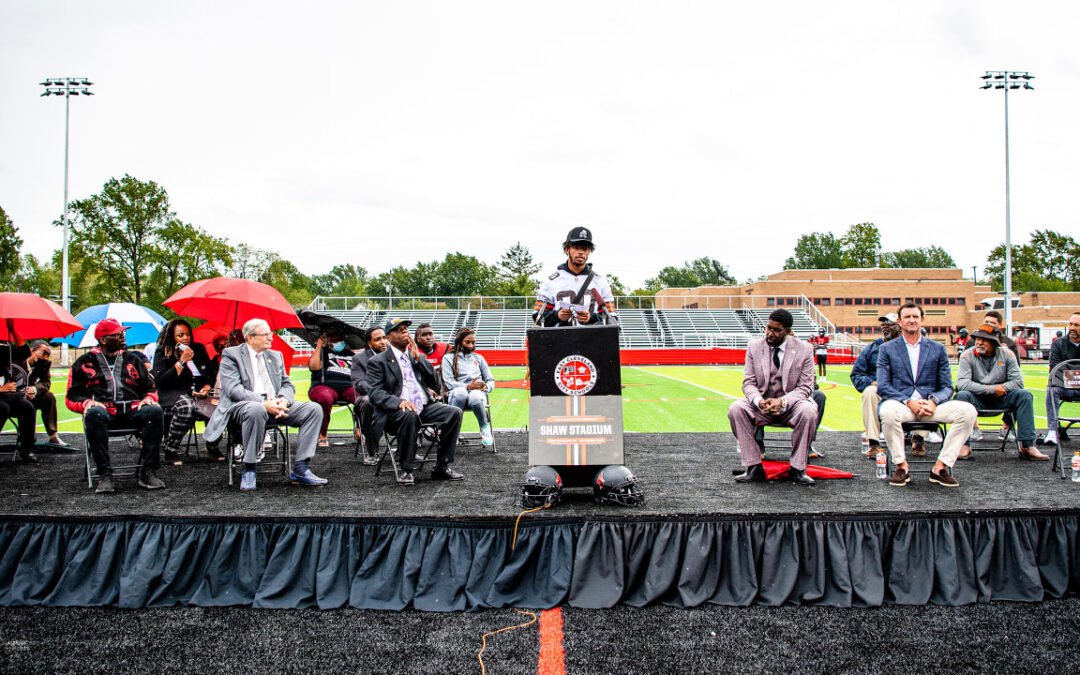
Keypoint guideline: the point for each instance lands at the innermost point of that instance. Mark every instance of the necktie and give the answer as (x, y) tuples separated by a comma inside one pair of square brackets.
[(264, 375), (776, 357), (412, 387)]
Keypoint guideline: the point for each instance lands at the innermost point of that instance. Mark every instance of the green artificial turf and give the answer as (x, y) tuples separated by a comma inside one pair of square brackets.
[(655, 398)]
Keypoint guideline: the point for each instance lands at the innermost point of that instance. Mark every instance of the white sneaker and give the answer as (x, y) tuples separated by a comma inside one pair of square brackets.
[(1004, 433), (1051, 438), (976, 435), (934, 437), (485, 435), (266, 441), (238, 453)]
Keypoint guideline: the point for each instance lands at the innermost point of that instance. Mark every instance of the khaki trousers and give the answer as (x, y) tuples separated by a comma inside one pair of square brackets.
[(958, 415)]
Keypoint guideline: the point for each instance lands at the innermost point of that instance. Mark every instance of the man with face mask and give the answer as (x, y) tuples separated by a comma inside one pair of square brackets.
[(330, 375), (112, 389), (989, 377), (864, 379)]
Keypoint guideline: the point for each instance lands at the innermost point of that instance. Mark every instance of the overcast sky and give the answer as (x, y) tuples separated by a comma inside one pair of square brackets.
[(382, 133)]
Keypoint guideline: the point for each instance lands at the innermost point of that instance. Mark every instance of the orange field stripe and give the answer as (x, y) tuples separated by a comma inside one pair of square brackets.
[(552, 655)]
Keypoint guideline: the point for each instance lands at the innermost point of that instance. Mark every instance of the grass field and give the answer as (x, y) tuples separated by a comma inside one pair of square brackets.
[(655, 398)]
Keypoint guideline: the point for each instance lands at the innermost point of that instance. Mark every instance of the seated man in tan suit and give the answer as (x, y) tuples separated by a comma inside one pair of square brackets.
[(778, 382)]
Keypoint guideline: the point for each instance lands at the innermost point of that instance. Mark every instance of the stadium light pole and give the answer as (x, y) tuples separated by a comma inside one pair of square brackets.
[(1006, 80), (66, 87)]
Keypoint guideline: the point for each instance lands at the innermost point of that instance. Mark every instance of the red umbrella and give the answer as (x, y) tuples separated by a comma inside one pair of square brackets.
[(775, 470), (206, 333), (232, 302), (24, 316)]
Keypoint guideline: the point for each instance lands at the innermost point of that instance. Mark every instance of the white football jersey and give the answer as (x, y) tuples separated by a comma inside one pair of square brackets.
[(564, 285)]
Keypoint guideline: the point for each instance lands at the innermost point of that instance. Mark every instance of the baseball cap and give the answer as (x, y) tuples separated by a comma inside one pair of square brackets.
[(579, 235), (109, 327), (394, 323), (891, 317)]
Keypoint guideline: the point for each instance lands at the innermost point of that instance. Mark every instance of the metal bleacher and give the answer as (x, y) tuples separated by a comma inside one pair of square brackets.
[(641, 328)]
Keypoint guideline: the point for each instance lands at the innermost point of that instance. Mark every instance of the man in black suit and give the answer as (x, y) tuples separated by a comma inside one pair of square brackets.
[(375, 339), (401, 387)]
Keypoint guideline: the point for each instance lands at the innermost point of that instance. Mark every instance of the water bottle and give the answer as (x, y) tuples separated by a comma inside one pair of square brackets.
[(1076, 467), (881, 463), (865, 444)]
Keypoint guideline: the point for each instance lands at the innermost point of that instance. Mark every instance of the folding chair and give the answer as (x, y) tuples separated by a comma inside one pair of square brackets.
[(924, 464), (468, 440), (993, 444), (1068, 374), (427, 437), (333, 431), (362, 418), (132, 442), (279, 449), (12, 448)]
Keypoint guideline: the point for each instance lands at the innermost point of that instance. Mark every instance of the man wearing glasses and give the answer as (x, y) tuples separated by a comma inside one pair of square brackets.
[(255, 392)]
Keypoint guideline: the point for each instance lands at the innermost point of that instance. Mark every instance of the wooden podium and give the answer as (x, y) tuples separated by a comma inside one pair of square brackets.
[(575, 409)]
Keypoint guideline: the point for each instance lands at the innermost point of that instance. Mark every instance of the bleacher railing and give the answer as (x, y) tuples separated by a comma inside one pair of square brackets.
[(525, 302)]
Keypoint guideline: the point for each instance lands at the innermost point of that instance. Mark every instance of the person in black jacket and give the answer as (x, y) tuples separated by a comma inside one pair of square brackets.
[(183, 372), (1062, 349), (402, 392)]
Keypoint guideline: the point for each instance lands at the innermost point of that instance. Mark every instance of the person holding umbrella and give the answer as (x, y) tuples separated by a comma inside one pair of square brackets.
[(111, 388)]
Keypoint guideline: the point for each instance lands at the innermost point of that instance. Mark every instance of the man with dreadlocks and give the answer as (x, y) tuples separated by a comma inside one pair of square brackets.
[(467, 378)]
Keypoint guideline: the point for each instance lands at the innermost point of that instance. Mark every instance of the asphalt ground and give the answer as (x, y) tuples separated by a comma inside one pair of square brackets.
[(997, 638), (680, 474)]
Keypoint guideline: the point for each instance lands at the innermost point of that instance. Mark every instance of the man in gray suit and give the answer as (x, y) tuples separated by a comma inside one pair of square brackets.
[(375, 339), (778, 383), (255, 391)]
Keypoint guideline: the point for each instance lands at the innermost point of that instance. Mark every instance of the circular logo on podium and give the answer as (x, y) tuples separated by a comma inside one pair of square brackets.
[(575, 375)]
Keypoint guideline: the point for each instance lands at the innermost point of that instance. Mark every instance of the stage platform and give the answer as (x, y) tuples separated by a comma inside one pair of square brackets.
[(1009, 532)]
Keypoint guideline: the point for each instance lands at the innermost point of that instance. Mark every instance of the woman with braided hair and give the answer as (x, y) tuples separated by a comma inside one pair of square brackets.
[(183, 372), (468, 380)]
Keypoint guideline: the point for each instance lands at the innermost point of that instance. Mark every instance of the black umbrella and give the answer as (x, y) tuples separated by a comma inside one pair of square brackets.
[(317, 324)]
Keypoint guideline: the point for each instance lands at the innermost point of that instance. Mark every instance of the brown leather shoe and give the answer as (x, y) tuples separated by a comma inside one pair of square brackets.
[(1031, 453), (966, 453), (918, 450), (873, 451), (944, 478), (900, 478)]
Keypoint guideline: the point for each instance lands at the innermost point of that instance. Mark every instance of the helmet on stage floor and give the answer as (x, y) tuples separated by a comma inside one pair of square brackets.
[(615, 484), (542, 486)]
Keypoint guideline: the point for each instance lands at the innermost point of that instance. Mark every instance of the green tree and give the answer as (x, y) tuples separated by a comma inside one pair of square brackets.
[(117, 229), (616, 284), (929, 256), (10, 244), (816, 251), (460, 274), (699, 272), (185, 253), (34, 276), (516, 272), (250, 262), (1049, 262), (289, 280), (341, 281), (861, 245)]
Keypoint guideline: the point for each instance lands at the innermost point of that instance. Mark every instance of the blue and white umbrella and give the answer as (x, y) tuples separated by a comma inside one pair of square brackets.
[(144, 324)]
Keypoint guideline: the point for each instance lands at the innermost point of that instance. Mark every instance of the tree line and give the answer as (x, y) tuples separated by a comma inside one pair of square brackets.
[(128, 245)]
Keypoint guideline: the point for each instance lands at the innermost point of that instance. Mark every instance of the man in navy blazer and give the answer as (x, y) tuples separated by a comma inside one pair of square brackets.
[(915, 385), (402, 387)]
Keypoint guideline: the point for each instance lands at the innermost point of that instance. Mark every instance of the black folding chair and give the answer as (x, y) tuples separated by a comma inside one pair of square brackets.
[(427, 438), (1067, 376)]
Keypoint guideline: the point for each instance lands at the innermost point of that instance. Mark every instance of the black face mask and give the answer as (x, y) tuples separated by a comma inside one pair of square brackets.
[(113, 343)]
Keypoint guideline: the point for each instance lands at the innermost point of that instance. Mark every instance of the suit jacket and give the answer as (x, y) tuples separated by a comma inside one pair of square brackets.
[(894, 381), (358, 369), (385, 383), (864, 372), (797, 370), (237, 384)]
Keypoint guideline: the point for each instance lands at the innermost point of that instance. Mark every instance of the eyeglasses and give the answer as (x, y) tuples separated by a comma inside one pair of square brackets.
[(262, 334)]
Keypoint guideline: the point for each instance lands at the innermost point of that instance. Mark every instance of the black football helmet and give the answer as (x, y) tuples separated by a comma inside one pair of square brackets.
[(542, 486), (615, 484), (963, 332)]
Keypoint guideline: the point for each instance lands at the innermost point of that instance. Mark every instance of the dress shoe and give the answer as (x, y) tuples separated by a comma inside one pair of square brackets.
[(1031, 453), (900, 477), (815, 453), (306, 477), (173, 458), (446, 473), (105, 485), (918, 450), (28, 457), (944, 478), (799, 477), (149, 480), (753, 474)]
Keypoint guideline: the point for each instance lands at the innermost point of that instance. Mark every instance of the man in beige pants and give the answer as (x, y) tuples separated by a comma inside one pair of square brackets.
[(864, 379), (915, 384)]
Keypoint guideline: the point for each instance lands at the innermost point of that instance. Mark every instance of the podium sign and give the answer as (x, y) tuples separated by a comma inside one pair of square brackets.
[(575, 409)]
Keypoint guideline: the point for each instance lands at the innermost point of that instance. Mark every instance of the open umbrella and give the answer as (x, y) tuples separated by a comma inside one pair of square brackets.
[(317, 324), (24, 316), (143, 324), (206, 333), (232, 302)]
